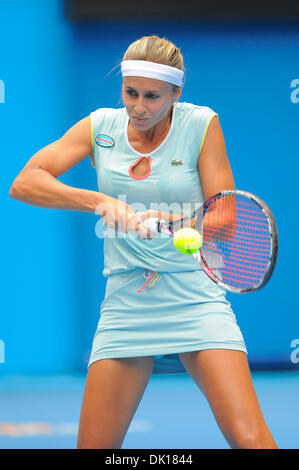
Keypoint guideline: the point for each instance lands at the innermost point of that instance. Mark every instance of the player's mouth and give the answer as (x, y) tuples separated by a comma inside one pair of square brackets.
[(139, 120)]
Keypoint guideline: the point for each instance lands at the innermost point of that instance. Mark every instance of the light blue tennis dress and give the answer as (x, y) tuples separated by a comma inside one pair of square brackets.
[(158, 302)]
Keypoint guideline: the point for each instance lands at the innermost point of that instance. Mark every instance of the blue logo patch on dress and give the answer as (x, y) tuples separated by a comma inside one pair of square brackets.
[(104, 140)]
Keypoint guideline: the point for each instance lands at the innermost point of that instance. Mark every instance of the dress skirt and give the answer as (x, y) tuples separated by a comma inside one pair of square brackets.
[(177, 312)]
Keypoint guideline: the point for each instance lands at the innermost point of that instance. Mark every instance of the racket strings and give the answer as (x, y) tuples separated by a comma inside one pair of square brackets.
[(236, 241)]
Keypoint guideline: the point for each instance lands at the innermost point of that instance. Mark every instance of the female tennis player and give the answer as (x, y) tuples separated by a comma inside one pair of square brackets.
[(161, 313)]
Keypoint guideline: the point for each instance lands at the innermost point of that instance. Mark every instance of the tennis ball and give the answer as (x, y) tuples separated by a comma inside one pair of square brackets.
[(187, 240)]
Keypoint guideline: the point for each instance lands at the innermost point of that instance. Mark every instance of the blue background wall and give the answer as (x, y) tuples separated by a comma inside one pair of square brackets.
[(54, 73)]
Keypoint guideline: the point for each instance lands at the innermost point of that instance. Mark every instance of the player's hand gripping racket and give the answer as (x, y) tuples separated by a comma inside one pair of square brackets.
[(240, 240)]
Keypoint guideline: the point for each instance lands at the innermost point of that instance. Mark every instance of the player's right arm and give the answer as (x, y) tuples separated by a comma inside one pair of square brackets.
[(37, 183)]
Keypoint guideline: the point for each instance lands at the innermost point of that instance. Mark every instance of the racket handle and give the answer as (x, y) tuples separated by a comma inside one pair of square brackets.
[(151, 224), (154, 224)]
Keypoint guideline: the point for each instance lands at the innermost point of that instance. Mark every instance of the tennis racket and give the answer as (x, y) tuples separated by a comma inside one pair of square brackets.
[(240, 239)]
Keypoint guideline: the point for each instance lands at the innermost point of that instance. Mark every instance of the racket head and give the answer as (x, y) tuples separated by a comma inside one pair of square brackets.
[(240, 240)]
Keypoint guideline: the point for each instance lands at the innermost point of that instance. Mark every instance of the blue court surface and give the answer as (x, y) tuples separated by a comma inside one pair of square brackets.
[(43, 412)]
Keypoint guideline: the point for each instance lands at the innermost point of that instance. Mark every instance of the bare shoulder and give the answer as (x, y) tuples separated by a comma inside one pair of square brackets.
[(80, 130), (214, 130), (64, 153), (213, 163), (213, 146)]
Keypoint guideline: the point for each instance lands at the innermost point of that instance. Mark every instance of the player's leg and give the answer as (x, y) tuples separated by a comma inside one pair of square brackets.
[(224, 378), (113, 390)]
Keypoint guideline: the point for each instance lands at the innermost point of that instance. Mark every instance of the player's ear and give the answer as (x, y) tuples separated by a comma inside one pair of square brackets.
[(178, 92)]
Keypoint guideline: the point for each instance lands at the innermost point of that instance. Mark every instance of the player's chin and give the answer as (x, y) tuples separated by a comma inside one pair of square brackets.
[(143, 124)]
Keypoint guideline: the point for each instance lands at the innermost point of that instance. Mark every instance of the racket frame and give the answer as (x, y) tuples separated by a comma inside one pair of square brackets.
[(198, 256)]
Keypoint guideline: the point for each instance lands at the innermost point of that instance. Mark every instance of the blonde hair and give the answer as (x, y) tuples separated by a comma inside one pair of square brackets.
[(155, 49)]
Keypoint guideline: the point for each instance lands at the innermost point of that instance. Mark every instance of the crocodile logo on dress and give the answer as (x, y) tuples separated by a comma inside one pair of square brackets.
[(104, 140), (176, 162)]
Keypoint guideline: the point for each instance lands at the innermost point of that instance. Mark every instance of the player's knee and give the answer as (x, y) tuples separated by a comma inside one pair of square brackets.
[(247, 441), (95, 439), (252, 440), (98, 444)]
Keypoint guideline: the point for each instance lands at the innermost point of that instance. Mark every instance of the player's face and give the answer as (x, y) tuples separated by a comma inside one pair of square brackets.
[(147, 101)]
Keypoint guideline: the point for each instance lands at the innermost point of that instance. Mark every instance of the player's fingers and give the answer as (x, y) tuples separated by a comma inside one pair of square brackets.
[(165, 216), (133, 220), (135, 225), (144, 232), (149, 223), (150, 213)]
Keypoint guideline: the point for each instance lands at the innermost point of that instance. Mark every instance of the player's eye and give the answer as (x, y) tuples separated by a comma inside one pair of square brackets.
[(152, 96), (131, 92)]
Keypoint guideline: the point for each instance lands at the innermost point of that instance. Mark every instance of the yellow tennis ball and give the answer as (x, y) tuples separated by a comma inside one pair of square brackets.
[(187, 240)]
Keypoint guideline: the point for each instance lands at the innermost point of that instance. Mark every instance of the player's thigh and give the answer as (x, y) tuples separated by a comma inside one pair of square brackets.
[(224, 378), (113, 390)]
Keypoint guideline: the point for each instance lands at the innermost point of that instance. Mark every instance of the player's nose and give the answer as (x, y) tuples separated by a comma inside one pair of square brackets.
[(140, 107)]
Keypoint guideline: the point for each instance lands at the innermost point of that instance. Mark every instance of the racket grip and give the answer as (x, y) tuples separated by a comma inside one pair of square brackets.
[(155, 225), (152, 224)]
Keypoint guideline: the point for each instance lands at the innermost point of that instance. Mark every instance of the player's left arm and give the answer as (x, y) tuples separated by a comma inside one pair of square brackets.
[(213, 164)]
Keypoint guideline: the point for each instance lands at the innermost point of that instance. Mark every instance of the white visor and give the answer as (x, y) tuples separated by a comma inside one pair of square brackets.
[(144, 68)]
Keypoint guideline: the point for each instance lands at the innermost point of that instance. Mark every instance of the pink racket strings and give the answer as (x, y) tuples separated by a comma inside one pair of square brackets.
[(237, 244)]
